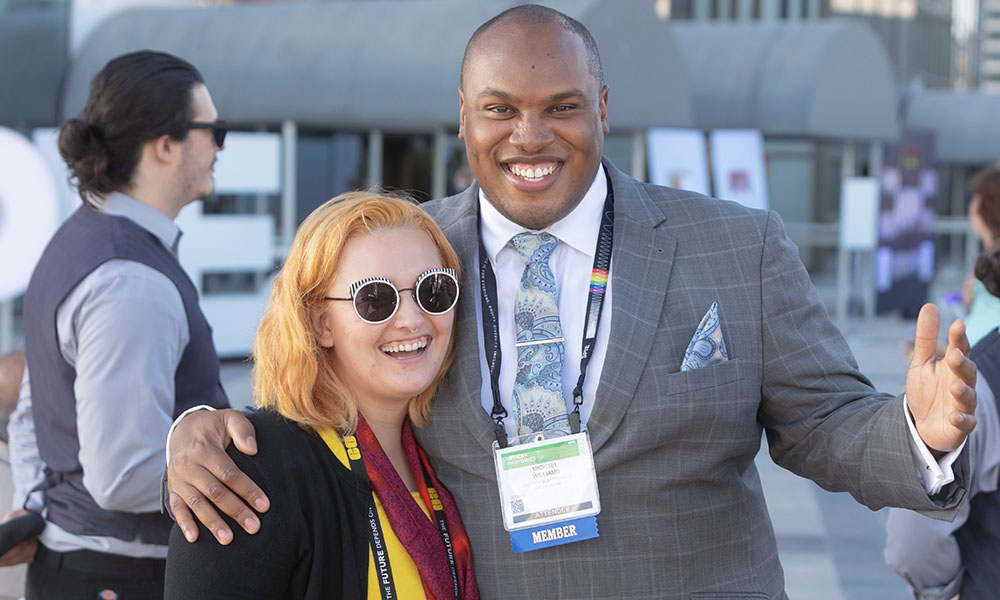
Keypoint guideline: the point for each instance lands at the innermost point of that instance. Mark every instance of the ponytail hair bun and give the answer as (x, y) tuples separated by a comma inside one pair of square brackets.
[(82, 147)]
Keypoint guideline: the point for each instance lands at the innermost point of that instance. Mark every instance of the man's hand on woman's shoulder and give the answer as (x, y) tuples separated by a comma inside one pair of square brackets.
[(202, 478)]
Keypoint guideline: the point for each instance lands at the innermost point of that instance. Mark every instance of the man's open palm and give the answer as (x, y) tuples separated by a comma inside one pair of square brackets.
[(941, 393)]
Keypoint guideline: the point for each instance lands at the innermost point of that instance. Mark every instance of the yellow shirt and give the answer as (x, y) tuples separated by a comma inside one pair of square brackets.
[(404, 570)]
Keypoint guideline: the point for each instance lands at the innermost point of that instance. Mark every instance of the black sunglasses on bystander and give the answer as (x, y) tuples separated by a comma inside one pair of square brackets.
[(219, 129)]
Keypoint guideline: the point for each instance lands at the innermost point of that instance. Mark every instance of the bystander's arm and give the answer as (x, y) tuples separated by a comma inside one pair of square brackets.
[(26, 471), (124, 329), (26, 465)]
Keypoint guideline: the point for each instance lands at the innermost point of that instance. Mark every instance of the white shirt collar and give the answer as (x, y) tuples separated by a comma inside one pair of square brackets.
[(579, 229), (143, 215)]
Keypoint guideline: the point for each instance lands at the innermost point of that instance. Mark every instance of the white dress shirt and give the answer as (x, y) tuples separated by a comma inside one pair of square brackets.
[(124, 329), (571, 262)]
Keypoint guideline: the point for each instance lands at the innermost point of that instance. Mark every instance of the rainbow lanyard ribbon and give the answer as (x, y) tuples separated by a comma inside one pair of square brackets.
[(595, 300)]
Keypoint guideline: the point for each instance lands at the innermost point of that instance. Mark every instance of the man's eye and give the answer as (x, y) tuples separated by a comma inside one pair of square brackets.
[(498, 109), (563, 108)]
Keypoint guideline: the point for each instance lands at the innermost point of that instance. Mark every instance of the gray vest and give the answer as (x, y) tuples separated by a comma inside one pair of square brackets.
[(979, 538), (84, 242)]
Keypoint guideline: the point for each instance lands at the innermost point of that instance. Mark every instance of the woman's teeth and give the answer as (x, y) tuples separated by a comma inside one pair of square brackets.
[(405, 347)]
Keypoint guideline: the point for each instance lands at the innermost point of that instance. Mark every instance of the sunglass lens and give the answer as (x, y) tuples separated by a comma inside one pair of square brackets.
[(220, 135), (437, 293), (375, 302)]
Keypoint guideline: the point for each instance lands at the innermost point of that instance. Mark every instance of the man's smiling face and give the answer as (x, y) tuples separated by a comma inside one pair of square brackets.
[(533, 118)]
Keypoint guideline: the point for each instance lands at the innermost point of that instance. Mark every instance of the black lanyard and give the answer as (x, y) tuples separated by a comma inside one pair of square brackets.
[(376, 538), (595, 304)]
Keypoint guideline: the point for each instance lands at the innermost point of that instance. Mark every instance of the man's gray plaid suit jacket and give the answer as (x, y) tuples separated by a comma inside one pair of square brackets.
[(683, 512)]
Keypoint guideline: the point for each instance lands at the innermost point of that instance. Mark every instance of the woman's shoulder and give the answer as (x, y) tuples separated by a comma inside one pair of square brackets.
[(271, 422), (289, 454), (282, 444), (268, 424)]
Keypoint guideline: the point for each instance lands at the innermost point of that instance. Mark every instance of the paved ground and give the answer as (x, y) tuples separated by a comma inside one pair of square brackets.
[(831, 547)]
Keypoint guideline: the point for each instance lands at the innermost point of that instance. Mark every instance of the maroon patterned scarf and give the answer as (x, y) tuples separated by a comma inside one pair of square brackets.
[(418, 534)]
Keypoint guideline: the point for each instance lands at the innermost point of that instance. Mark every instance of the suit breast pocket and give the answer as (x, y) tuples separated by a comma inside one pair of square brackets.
[(696, 408), (720, 375)]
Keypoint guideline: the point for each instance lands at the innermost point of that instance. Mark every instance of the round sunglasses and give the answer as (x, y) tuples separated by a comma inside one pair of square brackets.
[(376, 300)]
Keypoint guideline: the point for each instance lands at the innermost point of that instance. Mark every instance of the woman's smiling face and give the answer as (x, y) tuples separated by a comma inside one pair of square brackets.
[(373, 359)]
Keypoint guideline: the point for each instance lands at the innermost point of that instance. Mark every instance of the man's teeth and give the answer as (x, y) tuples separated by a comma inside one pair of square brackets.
[(529, 173), (405, 347)]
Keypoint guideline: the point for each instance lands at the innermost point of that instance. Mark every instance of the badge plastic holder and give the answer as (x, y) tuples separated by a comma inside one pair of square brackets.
[(548, 490)]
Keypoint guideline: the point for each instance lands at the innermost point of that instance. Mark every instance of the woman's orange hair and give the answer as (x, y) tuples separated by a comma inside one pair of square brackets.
[(292, 373)]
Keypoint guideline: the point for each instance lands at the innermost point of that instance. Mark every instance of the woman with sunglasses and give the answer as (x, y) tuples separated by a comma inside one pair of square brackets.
[(357, 333)]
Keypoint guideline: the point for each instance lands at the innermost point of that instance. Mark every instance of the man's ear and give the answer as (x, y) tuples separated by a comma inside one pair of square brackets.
[(165, 149), (461, 114), (603, 109), (322, 327)]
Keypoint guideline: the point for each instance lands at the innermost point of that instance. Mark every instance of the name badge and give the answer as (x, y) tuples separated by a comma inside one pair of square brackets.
[(548, 491)]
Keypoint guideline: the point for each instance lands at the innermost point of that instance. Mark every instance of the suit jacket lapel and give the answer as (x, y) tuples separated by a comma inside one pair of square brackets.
[(464, 381), (642, 259)]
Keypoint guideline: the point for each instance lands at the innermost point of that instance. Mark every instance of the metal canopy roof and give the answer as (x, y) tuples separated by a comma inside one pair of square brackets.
[(829, 79), (965, 125), (32, 64), (390, 64)]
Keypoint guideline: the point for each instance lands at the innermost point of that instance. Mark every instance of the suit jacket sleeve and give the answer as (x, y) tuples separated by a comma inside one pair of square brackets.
[(822, 417)]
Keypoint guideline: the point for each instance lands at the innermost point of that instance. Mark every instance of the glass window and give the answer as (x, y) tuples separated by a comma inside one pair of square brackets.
[(618, 149), (459, 174), (407, 164), (328, 164)]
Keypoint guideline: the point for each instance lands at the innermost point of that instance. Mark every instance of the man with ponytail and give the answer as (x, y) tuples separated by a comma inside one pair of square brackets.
[(117, 345)]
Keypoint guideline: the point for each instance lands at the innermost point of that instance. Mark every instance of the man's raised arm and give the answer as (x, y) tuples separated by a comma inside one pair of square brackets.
[(201, 477)]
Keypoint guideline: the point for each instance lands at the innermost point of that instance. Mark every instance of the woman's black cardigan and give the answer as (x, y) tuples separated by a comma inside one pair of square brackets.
[(312, 542)]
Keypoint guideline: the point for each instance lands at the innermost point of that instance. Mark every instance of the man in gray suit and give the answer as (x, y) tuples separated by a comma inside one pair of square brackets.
[(683, 515)]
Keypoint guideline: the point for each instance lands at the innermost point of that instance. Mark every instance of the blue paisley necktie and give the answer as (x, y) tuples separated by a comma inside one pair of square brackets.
[(538, 386)]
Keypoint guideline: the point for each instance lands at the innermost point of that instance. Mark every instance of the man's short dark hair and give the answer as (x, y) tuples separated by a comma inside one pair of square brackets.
[(135, 98), (534, 14)]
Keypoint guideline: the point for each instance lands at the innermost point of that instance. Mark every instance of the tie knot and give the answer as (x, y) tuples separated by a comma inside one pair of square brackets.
[(534, 248)]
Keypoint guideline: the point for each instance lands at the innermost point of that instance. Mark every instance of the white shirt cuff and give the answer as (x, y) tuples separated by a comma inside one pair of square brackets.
[(934, 474), (35, 501), (173, 425)]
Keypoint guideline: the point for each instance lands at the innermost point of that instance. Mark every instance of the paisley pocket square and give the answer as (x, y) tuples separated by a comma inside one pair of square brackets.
[(707, 346)]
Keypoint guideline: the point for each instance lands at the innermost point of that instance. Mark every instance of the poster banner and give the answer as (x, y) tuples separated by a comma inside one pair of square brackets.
[(859, 202), (904, 260), (678, 159), (738, 166)]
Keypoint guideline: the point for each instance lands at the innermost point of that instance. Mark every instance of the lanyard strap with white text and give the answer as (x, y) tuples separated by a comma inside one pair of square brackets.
[(595, 303), (376, 538)]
